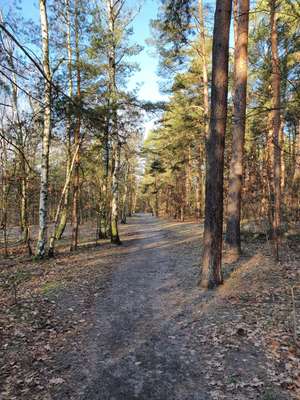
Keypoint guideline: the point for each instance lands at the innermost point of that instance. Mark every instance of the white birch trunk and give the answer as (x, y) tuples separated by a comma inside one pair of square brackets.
[(43, 205)]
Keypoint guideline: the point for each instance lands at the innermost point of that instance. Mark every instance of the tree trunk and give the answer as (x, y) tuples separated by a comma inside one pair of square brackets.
[(115, 195), (233, 237), (43, 204), (199, 195), (213, 227), (23, 170), (296, 176), (125, 194), (200, 178), (282, 160), (60, 203), (64, 213), (276, 121), (4, 195), (156, 203), (204, 67), (75, 208), (113, 10), (188, 184)]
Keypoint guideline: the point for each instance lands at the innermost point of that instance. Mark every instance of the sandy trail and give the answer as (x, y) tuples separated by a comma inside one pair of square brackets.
[(137, 347), (150, 333)]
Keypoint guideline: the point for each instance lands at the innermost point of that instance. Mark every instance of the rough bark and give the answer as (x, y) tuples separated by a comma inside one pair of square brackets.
[(276, 122), (296, 176), (201, 155), (46, 136), (115, 195), (76, 180), (213, 226), (113, 10), (204, 68), (233, 237), (125, 197), (188, 183)]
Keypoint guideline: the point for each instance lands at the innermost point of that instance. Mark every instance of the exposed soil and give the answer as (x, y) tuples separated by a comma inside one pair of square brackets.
[(130, 322)]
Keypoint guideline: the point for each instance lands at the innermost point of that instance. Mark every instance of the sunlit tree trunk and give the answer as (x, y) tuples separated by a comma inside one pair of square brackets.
[(276, 121), (60, 203), (131, 192), (213, 226), (296, 176), (156, 197), (125, 195), (104, 201), (76, 178), (233, 237), (46, 136), (204, 67), (282, 160), (115, 194), (113, 9), (188, 183), (201, 155), (64, 213)]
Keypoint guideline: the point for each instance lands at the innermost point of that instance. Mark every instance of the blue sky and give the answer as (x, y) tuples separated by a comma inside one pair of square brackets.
[(147, 77), (148, 63)]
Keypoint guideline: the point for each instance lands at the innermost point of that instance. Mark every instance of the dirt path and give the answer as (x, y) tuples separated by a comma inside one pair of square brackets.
[(129, 322), (136, 348)]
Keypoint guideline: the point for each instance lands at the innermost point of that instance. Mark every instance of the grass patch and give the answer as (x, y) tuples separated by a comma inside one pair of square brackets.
[(51, 288)]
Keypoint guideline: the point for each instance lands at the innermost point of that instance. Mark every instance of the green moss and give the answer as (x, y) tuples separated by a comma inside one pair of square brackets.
[(51, 287)]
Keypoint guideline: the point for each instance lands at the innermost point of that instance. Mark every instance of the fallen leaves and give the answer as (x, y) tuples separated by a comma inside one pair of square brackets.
[(56, 381)]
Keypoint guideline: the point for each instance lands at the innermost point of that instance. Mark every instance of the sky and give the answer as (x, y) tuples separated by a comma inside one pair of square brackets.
[(148, 62), (147, 76)]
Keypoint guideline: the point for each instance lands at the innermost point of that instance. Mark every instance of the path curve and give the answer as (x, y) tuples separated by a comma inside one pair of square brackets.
[(137, 347)]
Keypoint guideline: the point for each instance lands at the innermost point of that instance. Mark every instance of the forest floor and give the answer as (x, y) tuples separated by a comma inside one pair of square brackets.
[(130, 322)]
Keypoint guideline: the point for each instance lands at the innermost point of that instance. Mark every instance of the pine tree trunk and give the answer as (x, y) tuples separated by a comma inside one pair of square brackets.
[(124, 200), (233, 237), (213, 226), (188, 184), (76, 181), (115, 195), (43, 204), (201, 155), (199, 195), (296, 176), (204, 67), (282, 160), (276, 121), (156, 203), (113, 9)]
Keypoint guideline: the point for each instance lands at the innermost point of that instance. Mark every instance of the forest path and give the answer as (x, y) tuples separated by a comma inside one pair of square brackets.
[(137, 347), (141, 328), (129, 322)]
